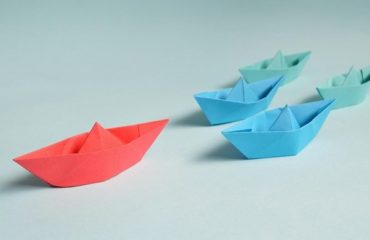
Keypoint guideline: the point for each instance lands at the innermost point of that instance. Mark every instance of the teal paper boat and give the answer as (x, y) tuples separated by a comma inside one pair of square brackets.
[(238, 103), (348, 89), (279, 132), (289, 66)]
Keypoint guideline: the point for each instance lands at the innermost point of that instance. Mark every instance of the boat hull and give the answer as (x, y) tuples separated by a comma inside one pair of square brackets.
[(218, 111), (258, 72), (255, 145), (73, 169), (345, 96)]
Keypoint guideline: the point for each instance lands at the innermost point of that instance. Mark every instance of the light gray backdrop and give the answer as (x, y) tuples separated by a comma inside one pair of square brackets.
[(66, 64)]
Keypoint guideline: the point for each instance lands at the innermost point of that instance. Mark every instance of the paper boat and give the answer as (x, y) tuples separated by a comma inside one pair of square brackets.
[(289, 66), (240, 102), (348, 89), (92, 157), (279, 132)]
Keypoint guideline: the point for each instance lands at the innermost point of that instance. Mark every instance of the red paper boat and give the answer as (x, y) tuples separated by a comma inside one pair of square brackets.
[(92, 157)]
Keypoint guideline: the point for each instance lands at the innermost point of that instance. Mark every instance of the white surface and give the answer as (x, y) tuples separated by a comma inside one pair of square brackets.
[(65, 65)]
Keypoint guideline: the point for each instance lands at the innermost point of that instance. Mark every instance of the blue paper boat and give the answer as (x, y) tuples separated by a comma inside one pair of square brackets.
[(348, 89), (289, 66), (238, 103), (279, 132)]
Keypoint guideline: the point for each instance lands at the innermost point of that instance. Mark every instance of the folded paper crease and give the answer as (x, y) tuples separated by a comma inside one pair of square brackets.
[(239, 102), (288, 66), (279, 132), (348, 89), (92, 157)]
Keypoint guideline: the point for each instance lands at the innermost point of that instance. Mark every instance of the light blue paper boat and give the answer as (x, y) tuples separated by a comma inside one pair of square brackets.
[(289, 66), (238, 103), (279, 132), (348, 89)]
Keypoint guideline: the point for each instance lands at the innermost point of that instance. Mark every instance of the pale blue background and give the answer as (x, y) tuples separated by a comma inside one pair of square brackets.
[(66, 64)]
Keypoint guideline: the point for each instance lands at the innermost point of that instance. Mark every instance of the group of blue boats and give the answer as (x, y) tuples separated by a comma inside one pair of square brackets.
[(282, 131)]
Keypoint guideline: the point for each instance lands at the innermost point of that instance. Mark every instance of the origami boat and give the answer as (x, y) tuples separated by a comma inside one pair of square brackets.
[(289, 66), (240, 102), (279, 132), (348, 89), (92, 157)]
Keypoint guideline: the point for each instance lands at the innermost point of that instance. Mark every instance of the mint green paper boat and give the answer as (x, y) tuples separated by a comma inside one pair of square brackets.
[(289, 66), (348, 89)]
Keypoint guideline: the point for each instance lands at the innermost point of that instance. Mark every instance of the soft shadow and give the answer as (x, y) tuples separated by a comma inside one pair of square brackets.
[(24, 182), (231, 83), (311, 98), (222, 152), (196, 118)]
